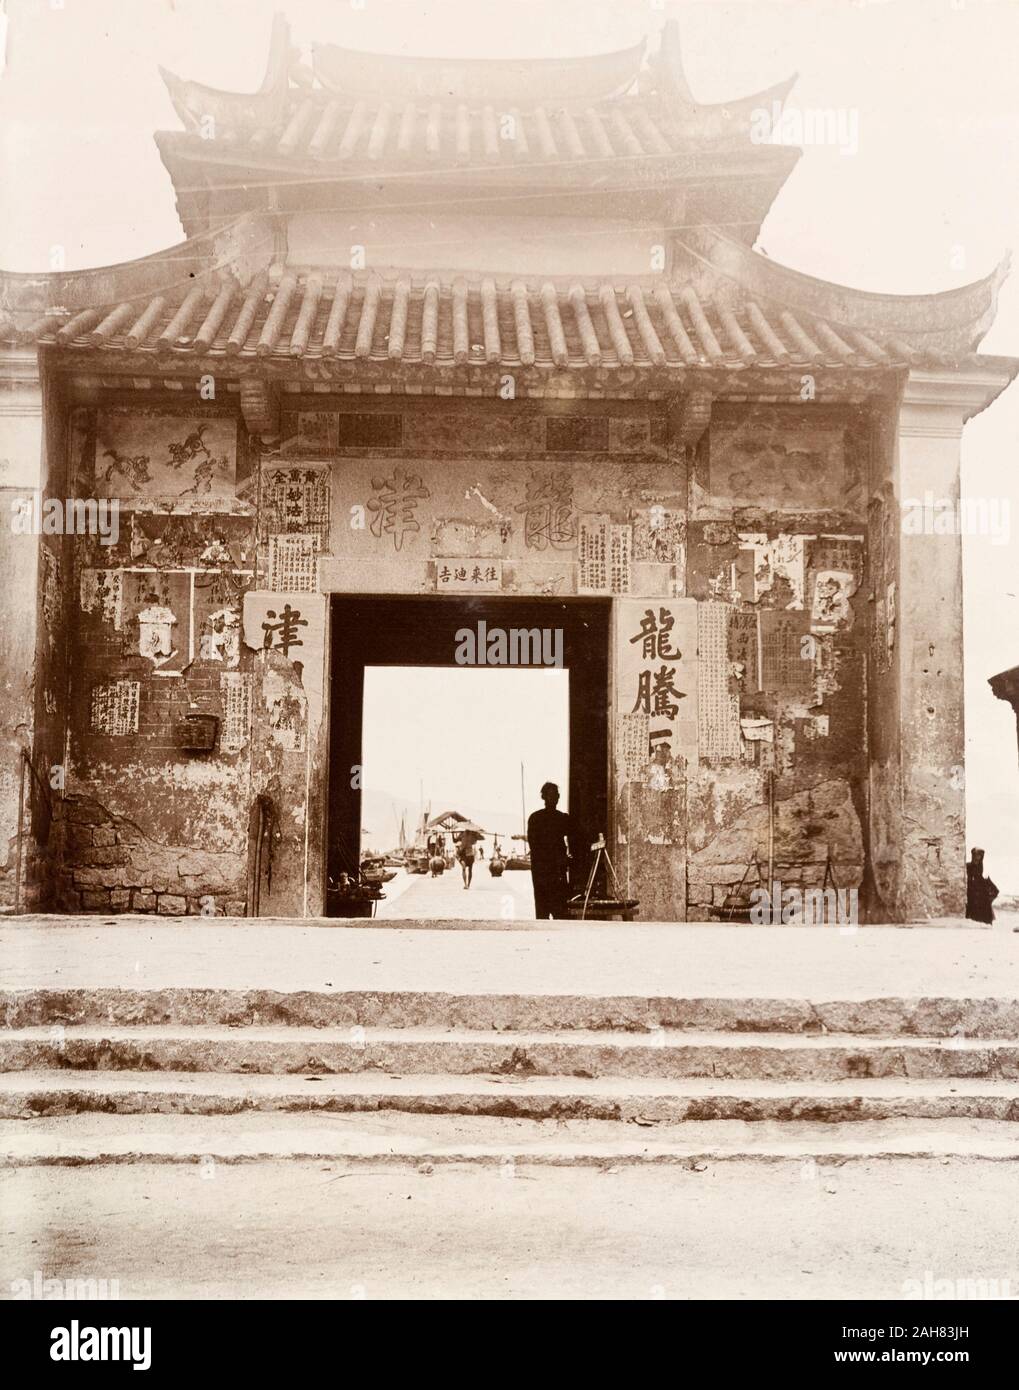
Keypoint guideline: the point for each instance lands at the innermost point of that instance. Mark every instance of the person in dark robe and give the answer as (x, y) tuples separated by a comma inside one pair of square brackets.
[(549, 833), (980, 891)]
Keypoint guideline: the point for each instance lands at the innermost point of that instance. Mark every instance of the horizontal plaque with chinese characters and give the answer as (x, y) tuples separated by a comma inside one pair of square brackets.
[(468, 576)]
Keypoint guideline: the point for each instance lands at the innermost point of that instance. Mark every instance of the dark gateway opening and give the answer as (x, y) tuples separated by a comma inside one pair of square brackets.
[(430, 632)]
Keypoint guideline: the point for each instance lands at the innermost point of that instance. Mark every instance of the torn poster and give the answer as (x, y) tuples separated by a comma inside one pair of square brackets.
[(717, 710), (236, 690), (763, 563), (831, 607), (293, 563), (593, 555), (286, 706), (758, 730), (743, 642), (837, 552), (620, 545), (49, 590), (155, 634), (103, 589), (115, 708), (296, 500), (158, 608), (659, 535), (786, 652), (220, 639), (632, 747)]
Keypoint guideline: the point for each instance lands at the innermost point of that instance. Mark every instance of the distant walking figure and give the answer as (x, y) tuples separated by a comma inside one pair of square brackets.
[(548, 836), (465, 843), (980, 891)]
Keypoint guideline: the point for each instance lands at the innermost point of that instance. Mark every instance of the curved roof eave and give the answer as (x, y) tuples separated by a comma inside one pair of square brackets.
[(673, 81), (959, 317), (237, 250), (195, 102), (742, 109)]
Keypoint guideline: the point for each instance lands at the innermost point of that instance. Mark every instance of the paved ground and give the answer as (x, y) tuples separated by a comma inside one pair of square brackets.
[(725, 1213), (509, 898), (641, 959), (323, 1230)]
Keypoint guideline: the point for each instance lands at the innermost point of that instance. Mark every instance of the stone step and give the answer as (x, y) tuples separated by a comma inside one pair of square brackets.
[(423, 1140), (644, 1100), (934, 1016), (575, 1052)]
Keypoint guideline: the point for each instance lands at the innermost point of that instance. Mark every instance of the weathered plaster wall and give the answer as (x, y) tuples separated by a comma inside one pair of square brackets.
[(740, 626), (928, 653), (884, 696), (18, 565), (154, 637), (777, 556), (32, 625), (53, 618)]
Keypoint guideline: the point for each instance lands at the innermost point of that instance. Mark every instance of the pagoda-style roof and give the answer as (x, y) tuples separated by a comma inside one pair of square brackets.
[(591, 121), (224, 297), (350, 72)]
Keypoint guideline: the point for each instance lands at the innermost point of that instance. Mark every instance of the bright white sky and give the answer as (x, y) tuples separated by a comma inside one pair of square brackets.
[(929, 201), (461, 734)]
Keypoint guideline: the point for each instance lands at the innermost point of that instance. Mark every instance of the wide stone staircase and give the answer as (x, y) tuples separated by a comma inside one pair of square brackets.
[(222, 1075)]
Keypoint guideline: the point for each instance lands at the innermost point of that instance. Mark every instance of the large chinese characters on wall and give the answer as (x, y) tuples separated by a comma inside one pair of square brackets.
[(656, 690)]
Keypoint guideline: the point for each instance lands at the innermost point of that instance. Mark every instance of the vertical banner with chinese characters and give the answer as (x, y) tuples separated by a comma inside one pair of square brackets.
[(656, 682), (717, 706), (293, 626)]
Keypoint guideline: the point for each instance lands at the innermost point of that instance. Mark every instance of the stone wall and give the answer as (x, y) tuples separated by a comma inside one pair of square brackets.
[(111, 865)]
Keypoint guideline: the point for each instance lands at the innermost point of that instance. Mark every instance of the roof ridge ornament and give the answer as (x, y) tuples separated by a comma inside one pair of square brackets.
[(671, 73), (198, 104)]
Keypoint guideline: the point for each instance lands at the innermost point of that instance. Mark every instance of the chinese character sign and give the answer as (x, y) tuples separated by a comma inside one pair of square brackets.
[(656, 684), (547, 509), (394, 505), (292, 626), (468, 576), (282, 629)]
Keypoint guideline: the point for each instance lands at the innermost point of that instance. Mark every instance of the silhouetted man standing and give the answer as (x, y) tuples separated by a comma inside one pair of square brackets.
[(548, 836), (980, 891)]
